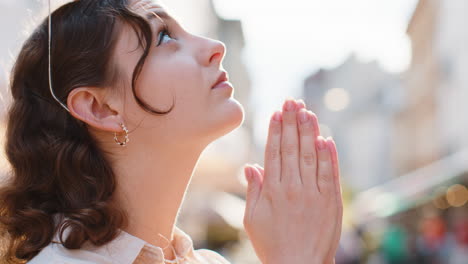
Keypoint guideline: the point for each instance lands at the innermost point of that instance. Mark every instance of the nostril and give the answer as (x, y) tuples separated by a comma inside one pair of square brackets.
[(216, 56)]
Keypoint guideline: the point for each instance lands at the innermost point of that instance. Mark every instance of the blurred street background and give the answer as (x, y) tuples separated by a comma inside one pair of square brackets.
[(388, 80)]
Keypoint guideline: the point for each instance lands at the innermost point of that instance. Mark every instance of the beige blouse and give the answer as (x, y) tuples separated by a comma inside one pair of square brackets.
[(127, 249)]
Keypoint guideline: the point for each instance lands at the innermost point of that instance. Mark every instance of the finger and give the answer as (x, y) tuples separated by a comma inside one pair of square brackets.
[(308, 153), (316, 124), (272, 151), (326, 185), (335, 164), (260, 169), (337, 180), (300, 104), (338, 199), (325, 180), (253, 190), (290, 146)]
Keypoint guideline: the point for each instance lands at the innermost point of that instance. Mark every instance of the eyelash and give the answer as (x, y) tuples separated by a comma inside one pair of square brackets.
[(162, 33)]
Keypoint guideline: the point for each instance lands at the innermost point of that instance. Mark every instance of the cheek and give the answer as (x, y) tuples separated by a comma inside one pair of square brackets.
[(177, 77), (156, 87)]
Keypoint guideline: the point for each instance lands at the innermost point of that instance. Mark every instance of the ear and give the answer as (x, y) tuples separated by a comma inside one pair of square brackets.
[(90, 105)]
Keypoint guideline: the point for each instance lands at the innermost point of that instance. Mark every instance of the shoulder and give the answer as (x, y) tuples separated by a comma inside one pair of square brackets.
[(211, 257)]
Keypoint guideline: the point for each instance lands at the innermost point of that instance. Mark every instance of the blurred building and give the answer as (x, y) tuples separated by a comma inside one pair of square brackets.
[(427, 196), (416, 127), (355, 103), (430, 152), (451, 48), (431, 128)]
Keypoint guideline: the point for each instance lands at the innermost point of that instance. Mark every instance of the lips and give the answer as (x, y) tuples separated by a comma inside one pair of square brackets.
[(223, 77)]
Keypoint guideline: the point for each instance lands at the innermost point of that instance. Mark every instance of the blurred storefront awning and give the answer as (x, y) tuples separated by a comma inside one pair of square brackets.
[(410, 190)]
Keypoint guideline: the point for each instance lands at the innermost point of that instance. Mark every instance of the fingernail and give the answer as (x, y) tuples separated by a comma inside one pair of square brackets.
[(290, 105), (303, 116), (300, 101), (321, 143)]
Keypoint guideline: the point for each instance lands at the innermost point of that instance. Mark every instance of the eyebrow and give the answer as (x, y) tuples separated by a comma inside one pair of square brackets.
[(159, 13)]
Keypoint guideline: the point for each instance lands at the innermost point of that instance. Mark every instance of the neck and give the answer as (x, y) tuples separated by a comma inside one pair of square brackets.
[(151, 187)]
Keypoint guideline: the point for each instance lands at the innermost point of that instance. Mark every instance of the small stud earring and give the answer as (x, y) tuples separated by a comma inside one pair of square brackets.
[(124, 143)]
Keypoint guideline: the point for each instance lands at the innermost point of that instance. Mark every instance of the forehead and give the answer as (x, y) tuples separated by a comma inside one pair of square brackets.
[(143, 6)]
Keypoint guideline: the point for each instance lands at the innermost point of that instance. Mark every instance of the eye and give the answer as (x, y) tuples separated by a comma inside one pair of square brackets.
[(164, 36)]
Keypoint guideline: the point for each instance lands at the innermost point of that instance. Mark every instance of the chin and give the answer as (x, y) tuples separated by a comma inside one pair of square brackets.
[(231, 118), (236, 114)]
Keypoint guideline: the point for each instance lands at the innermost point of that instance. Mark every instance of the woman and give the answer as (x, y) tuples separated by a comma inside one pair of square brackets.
[(103, 141)]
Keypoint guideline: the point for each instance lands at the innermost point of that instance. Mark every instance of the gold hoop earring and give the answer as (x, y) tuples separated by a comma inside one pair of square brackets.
[(124, 143)]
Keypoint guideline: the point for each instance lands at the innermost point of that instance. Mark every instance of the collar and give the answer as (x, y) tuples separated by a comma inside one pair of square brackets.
[(126, 248)]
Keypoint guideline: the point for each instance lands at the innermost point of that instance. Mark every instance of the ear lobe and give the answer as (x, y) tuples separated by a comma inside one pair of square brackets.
[(89, 105)]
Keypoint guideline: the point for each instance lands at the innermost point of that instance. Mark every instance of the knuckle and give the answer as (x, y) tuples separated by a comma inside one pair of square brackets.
[(272, 154), (269, 190), (289, 149), (310, 195), (325, 178), (293, 192), (309, 158)]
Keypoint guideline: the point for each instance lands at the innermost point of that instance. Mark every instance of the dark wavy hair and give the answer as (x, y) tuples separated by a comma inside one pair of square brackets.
[(57, 167)]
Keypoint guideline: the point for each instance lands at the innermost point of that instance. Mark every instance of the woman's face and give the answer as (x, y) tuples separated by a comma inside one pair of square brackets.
[(180, 67)]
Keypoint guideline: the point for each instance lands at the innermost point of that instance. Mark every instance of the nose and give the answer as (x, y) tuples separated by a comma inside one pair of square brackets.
[(212, 52)]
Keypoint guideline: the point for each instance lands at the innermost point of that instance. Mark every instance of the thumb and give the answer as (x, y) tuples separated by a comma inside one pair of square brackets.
[(253, 177)]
